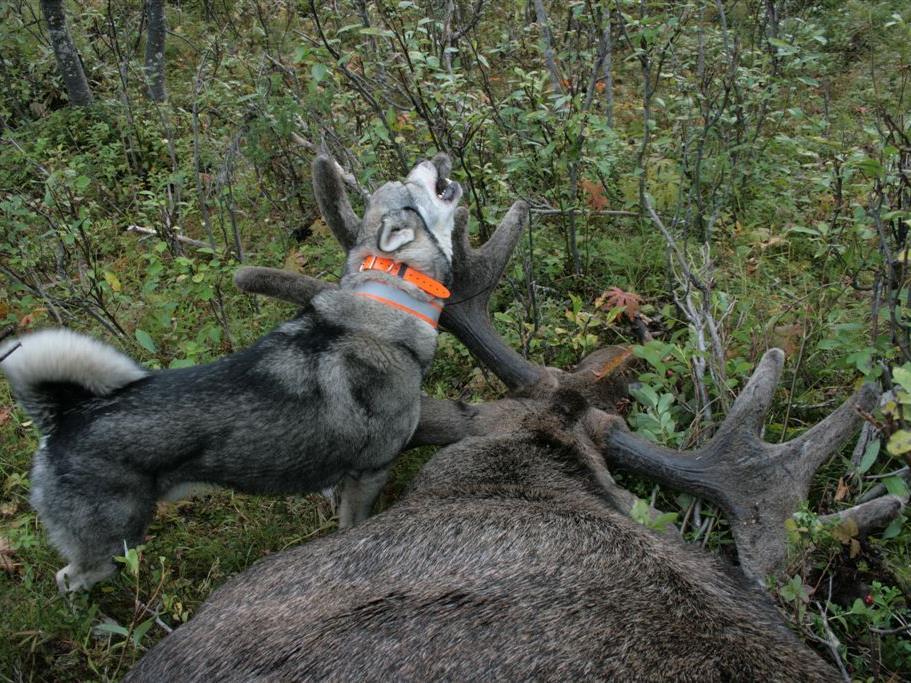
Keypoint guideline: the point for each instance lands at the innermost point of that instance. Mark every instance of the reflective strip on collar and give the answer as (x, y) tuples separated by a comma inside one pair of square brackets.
[(393, 296)]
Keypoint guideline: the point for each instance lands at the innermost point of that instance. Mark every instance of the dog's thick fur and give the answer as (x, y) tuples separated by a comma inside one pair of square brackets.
[(330, 396)]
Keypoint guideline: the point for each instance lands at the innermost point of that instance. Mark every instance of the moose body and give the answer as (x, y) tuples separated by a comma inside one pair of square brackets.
[(504, 562)]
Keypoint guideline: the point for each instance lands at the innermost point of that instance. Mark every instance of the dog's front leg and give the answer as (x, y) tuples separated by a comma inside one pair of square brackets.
[(358, 492)]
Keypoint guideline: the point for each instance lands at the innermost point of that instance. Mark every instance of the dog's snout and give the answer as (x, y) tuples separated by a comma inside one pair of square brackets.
[(442, 164)]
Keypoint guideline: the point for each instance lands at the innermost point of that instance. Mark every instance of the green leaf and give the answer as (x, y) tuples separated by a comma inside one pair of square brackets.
[(145, 341), (318, 72), (112, 628), (871, 167), (664, 520), (639, 512), (130, 559), (897, 487), (140, 631), (794, 590), (870, 454), (894, 528)]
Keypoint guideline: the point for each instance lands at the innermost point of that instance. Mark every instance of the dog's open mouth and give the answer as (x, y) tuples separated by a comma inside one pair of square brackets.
[(446, 189), (432, 177)]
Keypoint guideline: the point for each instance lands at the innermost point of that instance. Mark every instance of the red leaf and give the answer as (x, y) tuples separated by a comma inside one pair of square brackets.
[(617, 298), (594, 195)]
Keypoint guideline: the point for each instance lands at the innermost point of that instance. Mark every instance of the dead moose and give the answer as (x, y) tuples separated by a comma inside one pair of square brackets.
[(513, 556)]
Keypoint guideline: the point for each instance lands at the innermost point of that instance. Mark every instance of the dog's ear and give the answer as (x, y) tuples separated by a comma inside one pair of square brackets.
[(393, 236)]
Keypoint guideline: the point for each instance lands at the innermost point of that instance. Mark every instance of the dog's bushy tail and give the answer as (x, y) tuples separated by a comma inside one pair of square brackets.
[(52, 369)]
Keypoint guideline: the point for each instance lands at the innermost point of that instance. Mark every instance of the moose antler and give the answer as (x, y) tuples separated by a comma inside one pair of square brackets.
[(476, 273), (758, 485)]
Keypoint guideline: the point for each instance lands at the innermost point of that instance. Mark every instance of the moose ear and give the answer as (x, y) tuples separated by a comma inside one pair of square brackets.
[(394, 236)]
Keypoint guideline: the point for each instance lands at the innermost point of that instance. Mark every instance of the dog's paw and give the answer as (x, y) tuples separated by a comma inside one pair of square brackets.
[(70, 580), (65, 580)]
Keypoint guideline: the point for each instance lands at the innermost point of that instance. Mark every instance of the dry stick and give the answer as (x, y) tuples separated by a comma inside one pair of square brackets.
[(201, 193), (831, 641), (10, 351), (880, 489), (3, 335), (547, 46), (180, 238), (891, 631), (225, 179), (686, 305)]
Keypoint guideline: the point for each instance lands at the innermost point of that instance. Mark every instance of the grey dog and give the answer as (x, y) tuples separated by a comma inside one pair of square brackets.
[(327, 398)]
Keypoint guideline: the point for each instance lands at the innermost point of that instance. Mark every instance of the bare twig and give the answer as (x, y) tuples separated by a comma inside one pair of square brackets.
[(831, 641), (180, 238), (347, 176), (547, 43), (604, 212), (8, 332)]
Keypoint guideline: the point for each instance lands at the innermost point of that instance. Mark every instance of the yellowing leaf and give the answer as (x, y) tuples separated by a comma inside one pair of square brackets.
[(855, 548), (902, 375), (845, 530), (842, 491), (900, 442), (113, 281)]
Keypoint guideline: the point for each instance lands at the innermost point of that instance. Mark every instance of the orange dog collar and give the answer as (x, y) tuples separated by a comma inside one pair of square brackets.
[(423, 282)]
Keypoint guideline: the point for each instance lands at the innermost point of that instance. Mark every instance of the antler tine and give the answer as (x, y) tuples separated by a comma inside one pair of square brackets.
[(333, 202), (870, 516), (752, 405), (336, 210), (294, 288), (475, 275), (815, 446), (758, 485)]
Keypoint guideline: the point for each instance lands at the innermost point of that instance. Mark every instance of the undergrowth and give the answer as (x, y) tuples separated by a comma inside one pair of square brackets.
[(792, 205)]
